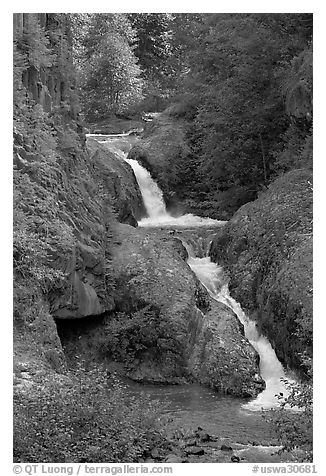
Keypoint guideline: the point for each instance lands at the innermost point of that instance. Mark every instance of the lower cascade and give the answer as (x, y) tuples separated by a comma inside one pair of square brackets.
[(213, 279), (271, 369)]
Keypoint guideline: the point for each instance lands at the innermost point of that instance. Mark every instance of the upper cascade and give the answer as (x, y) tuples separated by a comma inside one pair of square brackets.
[(152, 195), (158, 216)]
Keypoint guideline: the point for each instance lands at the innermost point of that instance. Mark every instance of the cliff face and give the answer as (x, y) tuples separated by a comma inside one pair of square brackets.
[(267, 249), (67, 197), (49, 77)]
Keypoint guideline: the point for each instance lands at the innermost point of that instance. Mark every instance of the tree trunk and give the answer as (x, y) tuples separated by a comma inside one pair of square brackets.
[(263, 156)]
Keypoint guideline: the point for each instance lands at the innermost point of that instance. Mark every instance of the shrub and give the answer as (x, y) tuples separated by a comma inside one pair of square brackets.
[(128, 336), (294, 429), (87, 417)]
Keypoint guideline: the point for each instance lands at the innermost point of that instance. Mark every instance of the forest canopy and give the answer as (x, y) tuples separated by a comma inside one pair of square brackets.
[(242, 81)]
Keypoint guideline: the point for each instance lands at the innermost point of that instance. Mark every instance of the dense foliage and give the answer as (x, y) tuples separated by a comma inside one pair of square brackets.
[(86, 417), (155, 51), (127, 336), (240, 75)]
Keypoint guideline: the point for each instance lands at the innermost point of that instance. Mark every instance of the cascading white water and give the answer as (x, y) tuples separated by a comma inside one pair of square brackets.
[(155, 206), (152, 195), (271, 370)]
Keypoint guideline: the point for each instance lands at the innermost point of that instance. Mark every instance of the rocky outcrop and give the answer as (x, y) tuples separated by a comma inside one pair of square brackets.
[(110, 188), (118, 180), (267, 249), (164, 328), (150, 274), (91, 188)]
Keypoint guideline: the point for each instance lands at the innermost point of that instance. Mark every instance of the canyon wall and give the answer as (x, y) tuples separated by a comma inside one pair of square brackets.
[(267, 249)]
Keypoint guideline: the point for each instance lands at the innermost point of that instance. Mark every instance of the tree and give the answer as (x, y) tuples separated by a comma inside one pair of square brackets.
[(153, 43), (109, 74), (236, 83), (154, 49)]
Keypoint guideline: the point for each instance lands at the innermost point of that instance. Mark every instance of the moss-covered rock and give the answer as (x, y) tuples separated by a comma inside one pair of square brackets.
[(222, 358), (267, 249)]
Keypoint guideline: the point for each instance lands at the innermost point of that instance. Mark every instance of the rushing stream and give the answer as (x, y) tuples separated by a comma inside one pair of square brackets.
[(195, 404)]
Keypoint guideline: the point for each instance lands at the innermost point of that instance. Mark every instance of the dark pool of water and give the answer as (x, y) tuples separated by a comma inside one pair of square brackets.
[(190, 406)]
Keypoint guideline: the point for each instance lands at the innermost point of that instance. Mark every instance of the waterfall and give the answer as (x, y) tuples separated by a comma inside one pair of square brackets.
[(212, 277), (152, 195), (155, 206), (271, 369)]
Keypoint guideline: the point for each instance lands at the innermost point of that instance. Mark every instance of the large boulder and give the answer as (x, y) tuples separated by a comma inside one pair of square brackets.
[(157, 301), (165, 328), (222, 358)]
